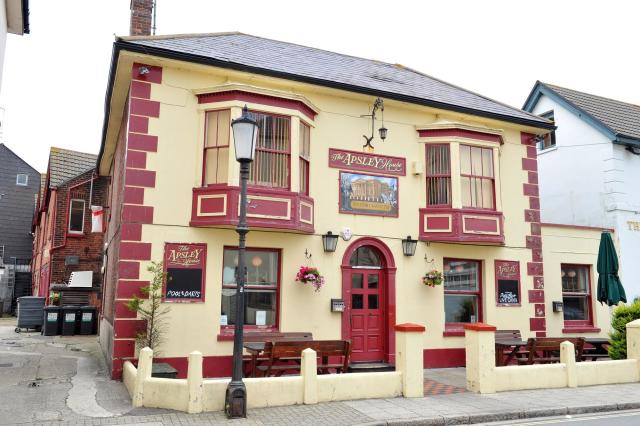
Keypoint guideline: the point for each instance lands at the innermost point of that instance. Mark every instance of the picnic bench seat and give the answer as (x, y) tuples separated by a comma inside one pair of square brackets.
[(268, 338), (508, 334), (545, 350), (285, 356)]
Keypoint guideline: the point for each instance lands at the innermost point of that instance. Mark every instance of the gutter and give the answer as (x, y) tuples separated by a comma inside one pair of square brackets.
[(120, 44)]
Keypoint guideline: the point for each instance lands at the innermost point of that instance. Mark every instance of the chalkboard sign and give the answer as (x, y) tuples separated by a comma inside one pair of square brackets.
[(507, 283), (184, 265)]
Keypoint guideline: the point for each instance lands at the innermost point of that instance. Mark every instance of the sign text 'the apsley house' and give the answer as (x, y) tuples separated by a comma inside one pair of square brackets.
[(350, 160)]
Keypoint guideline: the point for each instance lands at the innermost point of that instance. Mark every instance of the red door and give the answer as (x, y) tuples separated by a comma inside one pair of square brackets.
[(367, 315)]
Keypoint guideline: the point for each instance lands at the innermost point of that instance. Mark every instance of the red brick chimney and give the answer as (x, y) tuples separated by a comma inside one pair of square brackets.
[(141, 11)]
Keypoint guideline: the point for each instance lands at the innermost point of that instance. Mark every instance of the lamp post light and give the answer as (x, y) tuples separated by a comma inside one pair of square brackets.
[(245, 131), (329, 242), (409, 246)]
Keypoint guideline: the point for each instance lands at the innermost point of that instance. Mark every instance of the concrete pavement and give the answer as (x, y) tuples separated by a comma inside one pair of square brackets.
[(62, 381)]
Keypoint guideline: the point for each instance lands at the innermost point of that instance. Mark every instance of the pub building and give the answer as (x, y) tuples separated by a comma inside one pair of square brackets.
[(361, 150)]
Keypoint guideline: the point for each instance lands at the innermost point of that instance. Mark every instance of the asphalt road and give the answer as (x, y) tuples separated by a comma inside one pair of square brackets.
[(614, 418)]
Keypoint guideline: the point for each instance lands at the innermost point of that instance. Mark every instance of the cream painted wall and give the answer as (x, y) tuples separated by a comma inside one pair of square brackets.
[(178, 162)]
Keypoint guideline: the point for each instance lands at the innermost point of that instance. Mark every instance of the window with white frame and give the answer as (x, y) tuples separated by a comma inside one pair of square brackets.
[(22, 179), (76, 216)]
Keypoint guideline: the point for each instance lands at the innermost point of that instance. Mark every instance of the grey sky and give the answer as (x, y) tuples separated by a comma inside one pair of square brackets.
[(55, 78)]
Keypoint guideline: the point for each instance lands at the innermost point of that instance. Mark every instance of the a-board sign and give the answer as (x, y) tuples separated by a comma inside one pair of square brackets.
[(184, 264), (507, 283)]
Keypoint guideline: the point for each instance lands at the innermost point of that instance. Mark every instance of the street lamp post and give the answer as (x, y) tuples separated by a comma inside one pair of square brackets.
[(245, 131)]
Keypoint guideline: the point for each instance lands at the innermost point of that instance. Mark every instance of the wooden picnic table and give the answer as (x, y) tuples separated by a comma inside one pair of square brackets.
[(512, 345), (254, 349), (599, 350)]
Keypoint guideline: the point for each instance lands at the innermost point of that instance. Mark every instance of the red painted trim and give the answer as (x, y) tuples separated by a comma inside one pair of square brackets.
[(129, 270), (143, 142), (516, 275), (539, 309), (532, 152), (136, 159), (138, 124), (140, 89), (126, 289), (530, 189), (135, 251), (586, 228), (534, 203), (532, 215), (140, 214), (537, 324), (144, 107), (533, 178), (123, 328), (457, 234), (154, 75), (529, 164), (389, 278), (536, 296), (541, 334), (527, 139), (364, 162), (462, 133), (479, 326), (453, 333), (409, 327), (124, 348), (581, 330), (444, 358), (131, 231), (122, 311), (133, 195), (238, 95), (202, 265), (535, 268), (349, 212), (144, 178)]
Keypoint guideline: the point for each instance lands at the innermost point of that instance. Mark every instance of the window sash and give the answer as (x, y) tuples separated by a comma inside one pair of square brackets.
[(76, 208), (305, 158), (473, 269), (22, 179), (216, 147), (271, 166), (438, 175), (577, 289), (477, 179)]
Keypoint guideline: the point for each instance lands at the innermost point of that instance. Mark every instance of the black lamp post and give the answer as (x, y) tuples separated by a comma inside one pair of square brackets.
[(245, 131)]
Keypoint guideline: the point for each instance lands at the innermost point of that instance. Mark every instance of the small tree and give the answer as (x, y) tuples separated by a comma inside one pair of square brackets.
[(622, 315), (151, 310)]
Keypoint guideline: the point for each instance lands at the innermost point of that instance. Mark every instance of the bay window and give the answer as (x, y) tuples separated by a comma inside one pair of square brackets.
[(261, 289), (576, 295), (305, 157), (216, 147), (462, 293), (438, 175), (270, 167), (476, 177)]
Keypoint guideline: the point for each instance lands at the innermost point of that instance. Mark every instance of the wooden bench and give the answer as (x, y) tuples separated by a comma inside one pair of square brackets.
[(508, 334), (286, 354), (257, 358), (546, 350), (506, 349)]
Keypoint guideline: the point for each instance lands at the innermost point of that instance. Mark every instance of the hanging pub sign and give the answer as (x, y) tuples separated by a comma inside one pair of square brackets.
[(359, 161), (507, 283), (184, 265), (368, 194)]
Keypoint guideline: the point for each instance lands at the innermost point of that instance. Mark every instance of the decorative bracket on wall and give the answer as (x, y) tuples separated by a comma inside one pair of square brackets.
[(377, 105), (307, 255), (426, 259)]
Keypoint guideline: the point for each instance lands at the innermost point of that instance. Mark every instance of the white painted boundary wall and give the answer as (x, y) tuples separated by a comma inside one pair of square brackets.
[(195, 394), (484, 377)]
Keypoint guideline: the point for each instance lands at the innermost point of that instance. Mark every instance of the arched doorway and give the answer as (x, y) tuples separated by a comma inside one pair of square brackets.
[(368, 290)]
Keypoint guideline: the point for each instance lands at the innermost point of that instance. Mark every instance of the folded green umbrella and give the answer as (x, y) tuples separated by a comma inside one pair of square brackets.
[(610, 290)]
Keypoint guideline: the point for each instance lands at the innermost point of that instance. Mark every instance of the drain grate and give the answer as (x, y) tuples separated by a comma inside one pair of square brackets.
[(7, 364)]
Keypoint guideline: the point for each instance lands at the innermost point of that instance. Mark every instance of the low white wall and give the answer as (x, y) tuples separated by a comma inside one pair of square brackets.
[(166, 393), (359, 386), (129, 374), (484, 377)]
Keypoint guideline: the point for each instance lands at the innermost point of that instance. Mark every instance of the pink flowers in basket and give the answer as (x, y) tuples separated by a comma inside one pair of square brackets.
[(432, 278), (310, 275)]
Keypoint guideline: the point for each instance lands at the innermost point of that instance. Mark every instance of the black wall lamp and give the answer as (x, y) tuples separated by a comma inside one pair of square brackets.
[(377, 105), (409, 246), (329, 242)]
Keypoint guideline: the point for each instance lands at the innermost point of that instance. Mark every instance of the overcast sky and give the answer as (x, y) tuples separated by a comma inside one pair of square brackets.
[(55, 78)]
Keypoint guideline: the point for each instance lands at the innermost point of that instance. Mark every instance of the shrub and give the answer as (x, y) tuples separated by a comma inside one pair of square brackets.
[(622, 315)]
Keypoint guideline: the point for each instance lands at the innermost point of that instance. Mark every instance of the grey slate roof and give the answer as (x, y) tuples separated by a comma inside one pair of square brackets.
[(65, 164), (259, 53), (620, 117)]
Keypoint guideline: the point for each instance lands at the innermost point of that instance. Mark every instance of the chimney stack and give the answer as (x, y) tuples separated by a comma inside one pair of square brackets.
[(141, 11)]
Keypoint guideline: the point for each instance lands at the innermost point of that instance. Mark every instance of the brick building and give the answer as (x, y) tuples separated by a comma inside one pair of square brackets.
[(64, 241)]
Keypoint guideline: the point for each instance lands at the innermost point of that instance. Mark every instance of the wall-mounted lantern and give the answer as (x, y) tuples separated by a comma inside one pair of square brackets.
[(329, 242), (557, 306), (409, 246)]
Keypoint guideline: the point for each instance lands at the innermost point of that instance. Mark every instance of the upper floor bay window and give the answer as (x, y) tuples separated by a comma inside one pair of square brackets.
[(76, 216), (216, 147), (476, 177), (305, 157), (438, 175), (271, 166)]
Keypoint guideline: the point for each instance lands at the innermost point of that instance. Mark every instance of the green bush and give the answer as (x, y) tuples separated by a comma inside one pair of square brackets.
[(622, 315)]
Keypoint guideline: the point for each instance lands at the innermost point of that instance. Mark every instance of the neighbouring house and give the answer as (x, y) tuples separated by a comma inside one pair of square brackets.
[(19, 185), (457, 171), (14, 19), (589, 167), (66, 243)]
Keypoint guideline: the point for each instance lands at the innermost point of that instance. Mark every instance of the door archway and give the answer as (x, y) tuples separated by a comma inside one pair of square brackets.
[(368, 290)]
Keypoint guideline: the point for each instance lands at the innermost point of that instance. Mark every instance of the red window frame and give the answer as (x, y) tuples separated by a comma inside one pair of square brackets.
[(228, 330), (216, 147), (457, 328), (580, 324), (433, 177), (481, 177), (305, 160), (256, 169)]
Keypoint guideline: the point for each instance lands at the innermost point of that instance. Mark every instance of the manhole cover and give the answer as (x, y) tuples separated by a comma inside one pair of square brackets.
[(7, 364)]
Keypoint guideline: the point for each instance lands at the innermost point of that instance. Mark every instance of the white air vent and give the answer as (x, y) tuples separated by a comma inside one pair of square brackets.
[(81, 279)]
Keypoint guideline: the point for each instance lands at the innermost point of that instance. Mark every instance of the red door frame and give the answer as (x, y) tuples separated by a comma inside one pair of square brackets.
[(388, 272)]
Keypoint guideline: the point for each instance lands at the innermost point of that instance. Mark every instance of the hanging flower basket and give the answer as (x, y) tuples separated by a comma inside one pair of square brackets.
[(432, 278), (310, 275)]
